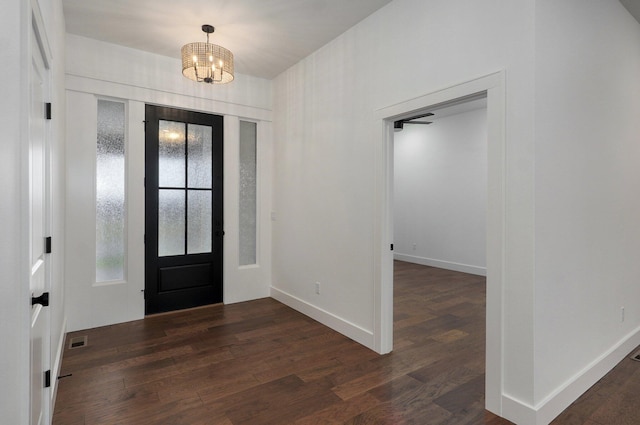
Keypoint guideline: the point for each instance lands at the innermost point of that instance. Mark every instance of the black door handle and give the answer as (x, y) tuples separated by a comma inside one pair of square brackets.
[(43, 300)]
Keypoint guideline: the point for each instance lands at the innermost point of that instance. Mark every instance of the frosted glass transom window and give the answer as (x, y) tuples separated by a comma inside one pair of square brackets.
[(248, 193), (110, 192)]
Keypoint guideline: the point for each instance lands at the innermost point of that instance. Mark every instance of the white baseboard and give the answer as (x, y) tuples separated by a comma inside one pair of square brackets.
[(554, 404), (336, 323), (448, 265), (518, 412)]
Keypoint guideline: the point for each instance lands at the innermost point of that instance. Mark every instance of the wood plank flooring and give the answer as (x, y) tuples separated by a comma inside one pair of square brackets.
[(263, 363)]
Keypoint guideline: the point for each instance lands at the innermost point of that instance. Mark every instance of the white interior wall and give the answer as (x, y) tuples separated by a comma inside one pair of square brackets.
[(587, 186), (156, 82), (327, 144), (440, 194), (558, 58)]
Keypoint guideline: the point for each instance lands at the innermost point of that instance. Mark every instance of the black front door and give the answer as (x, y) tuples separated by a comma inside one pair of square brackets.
[(183, 202)]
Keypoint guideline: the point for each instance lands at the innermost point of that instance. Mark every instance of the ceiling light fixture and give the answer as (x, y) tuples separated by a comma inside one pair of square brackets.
[(206, 62)]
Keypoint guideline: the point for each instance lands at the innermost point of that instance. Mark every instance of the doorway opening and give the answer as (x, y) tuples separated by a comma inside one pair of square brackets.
[(491, 87), (440, 188), (439, 210), (183, 209)]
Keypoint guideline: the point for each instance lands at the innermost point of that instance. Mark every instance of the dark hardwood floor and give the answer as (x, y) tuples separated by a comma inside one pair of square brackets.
[(261, 362)]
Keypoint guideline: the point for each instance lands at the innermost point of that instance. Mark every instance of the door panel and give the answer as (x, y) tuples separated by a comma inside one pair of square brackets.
[(38, 282), (182, 277), (183, 201)]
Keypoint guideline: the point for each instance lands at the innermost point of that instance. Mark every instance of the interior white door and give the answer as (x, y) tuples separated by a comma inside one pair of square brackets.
[(38, 221)]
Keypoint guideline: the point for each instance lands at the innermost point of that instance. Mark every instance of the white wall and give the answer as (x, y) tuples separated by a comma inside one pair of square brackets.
[(155, 80), (14, 285), (327, 144), (571, 204), (440, 194), (587, 191)]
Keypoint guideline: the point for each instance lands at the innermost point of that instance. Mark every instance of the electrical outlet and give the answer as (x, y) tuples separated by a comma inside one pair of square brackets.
[(414, 247), (317, 288)]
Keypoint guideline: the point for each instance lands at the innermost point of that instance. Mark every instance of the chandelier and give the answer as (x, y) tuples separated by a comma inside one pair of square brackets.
[(206, 62)]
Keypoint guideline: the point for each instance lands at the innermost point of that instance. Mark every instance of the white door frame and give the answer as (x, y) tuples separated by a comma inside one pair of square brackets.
[(493, 86)]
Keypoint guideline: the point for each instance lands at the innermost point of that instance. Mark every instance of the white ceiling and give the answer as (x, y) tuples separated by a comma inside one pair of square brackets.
[(265, 36)]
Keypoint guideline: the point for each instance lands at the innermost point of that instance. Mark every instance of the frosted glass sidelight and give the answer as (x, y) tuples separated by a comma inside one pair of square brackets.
[(171, 154), (199, 221), (171, 226), (110, 192), (248, 193), (199, 169)]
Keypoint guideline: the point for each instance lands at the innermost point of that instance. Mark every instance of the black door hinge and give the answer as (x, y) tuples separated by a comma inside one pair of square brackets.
[(391, 247), (47, 379), (47, 110), (47, 245), (145, 124)]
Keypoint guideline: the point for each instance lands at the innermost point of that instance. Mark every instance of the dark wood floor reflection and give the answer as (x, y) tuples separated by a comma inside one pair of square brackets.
[(261, 362)]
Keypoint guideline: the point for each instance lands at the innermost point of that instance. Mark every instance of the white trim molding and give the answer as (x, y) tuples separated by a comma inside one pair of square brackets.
[(351, 330), (442, 264), (555, 403)]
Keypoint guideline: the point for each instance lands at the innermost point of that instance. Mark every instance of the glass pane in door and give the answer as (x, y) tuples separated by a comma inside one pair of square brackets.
[(199, 170), (199, 221), (171, 222), (171, 154)]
